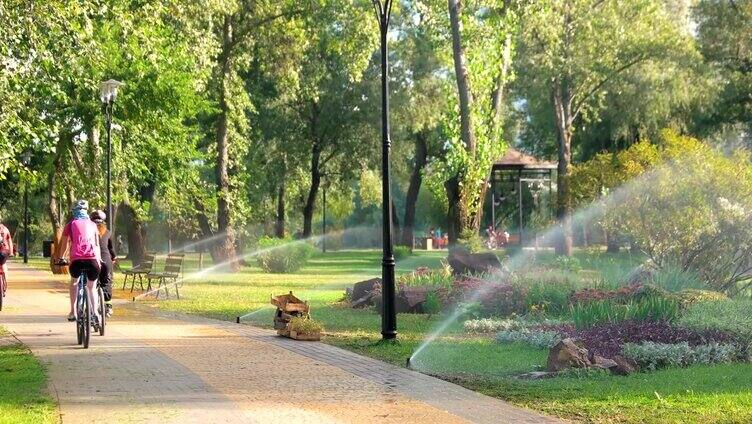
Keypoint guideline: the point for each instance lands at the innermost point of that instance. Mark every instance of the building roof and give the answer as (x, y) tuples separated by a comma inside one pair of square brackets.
[(514, 159)]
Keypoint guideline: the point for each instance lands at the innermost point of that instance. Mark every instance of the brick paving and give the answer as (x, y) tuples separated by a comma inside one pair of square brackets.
[(167, 368)]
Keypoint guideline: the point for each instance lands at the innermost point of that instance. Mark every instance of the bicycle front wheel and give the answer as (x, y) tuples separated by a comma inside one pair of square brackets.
[(102, 311)]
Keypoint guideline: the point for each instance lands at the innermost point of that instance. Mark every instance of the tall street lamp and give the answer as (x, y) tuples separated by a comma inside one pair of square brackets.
[(26, 160), (109, 91), (389, 312)]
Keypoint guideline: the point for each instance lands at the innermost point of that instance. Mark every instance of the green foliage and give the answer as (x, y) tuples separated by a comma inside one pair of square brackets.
[(470, 240), (534, 337), (685, 203), (674, 279), (733, 316), (436, 277), (547, 297), (569, 263), (659, 355), (609, 311), (432, 304), (689, 297), (402, 252), (282, 256), (303, 325)]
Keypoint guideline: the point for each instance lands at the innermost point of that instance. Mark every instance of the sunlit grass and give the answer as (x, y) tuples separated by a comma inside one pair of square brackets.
[(22, 382)]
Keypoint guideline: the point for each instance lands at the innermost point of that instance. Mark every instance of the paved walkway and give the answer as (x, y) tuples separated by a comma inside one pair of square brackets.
[(166, 368)]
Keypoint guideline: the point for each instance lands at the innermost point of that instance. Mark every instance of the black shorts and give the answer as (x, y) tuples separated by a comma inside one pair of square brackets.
[(3, 258), (90, 267)]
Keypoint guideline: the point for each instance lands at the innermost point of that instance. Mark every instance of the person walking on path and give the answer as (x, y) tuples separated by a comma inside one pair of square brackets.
[(108, 257)]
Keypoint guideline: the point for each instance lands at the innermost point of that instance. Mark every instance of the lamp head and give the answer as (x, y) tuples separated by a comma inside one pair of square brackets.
[(108, 90)]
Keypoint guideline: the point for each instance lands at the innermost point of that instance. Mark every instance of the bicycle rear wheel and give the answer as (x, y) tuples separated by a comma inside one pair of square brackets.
[(102, 311)]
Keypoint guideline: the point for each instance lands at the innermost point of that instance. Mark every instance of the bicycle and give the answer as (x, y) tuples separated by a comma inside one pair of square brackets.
[(83, 315)]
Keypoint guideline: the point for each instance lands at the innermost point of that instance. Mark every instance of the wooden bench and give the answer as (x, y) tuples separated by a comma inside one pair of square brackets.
[(140, 270), (172, 275)]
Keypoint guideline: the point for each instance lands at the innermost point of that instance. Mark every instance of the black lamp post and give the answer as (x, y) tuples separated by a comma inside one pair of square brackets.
[(26, 161), (109, 90), (388, 313), (323, 222)]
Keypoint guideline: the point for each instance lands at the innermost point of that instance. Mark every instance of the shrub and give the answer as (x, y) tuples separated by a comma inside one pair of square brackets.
[(503, 299), (441, 277), (282, 256), (569, 263), (659, 355), (432, 304), (608, 311), (607, 339), (470, 240), (675, 279), (488, 325), (534, 337), (305, 325), (401, 252), (691, 296), (731, 316), (543, 297)]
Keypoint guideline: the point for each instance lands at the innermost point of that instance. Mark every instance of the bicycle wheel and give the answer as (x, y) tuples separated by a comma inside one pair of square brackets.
[(102, 311), (86, 321), (80, 315)]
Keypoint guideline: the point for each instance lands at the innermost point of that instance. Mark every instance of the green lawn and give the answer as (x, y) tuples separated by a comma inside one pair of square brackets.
[(721, 393), (22, 382)]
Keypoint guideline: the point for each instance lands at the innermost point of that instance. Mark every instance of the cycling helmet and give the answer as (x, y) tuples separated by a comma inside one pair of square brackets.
[(81, 205), (98, 216)]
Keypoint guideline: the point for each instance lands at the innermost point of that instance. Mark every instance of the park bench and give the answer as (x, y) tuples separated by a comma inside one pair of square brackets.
[(139, 271), (172, 274)]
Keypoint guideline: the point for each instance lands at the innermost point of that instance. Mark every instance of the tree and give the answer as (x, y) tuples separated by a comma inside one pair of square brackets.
[(725, 36), (576, 51), (481, 37)]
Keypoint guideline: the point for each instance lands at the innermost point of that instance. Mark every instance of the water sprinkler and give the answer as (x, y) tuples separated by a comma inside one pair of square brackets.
[(407, 363), (237, 320)]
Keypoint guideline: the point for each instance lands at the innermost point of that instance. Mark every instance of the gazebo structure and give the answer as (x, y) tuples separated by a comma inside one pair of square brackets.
[(513, 172)]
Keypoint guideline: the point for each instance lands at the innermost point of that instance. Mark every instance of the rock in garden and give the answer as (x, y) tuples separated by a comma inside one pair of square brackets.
[(604, 363), (623, 366), (364, 291), (568, 353), (464, 262)]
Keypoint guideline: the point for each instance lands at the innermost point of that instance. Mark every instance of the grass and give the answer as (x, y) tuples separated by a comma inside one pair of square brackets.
[(717, 393), (22, 382)]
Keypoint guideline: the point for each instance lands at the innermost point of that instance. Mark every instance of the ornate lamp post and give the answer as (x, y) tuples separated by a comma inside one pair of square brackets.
[(26, 160), (389, 312), (109, 91)]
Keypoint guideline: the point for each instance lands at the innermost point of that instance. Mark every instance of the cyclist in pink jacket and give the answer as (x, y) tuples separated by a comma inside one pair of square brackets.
[(80, 235)]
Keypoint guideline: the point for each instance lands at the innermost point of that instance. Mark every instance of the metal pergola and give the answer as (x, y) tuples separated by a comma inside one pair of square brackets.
[(509, 173)]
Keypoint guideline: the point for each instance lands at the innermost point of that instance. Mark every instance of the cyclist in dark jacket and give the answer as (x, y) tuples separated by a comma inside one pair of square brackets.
[(108, 256)]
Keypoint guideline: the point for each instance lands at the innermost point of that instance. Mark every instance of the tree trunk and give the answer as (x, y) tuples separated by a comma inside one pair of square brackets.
[(454, 212), (279, 229), (463, 81), (413, 189), (224, 250), (562, 100), (135, 233), (53, 206), (310, 204)]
